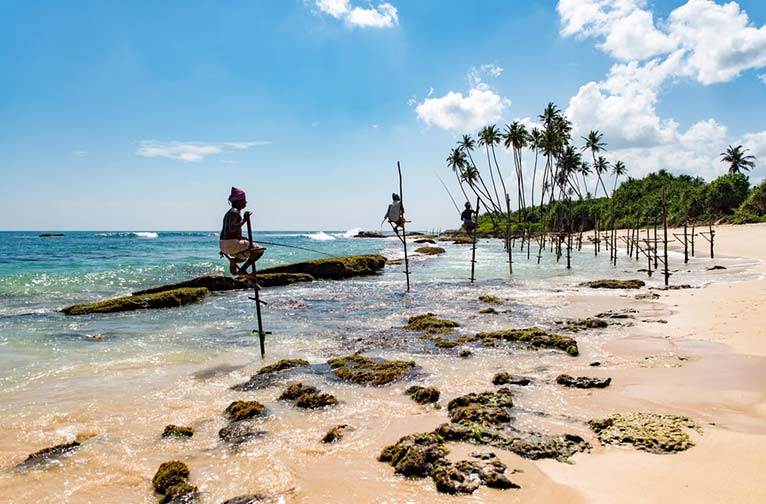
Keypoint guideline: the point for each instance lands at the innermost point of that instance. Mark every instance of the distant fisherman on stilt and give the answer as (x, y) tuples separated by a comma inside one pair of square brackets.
[(233, 245), (395, 213), (467, 217)]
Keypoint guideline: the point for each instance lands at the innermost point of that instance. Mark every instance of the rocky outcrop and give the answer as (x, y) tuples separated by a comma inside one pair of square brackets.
[(428, 323), (614, 284), (504, 378), (306, 396), (490, 300), (369, 234), (171, 481), (215, 283), (239, 432), (335, 434), (533, 337), (582, 382), (430, 250), (167, 299), (177, 431), (243, 410), (270, 374), (362, 370), (583, 324), (334, 268), (47, 455), (423, 395), (650, 432)]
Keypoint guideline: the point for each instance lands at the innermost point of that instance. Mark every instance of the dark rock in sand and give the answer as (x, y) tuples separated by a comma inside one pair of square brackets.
[(46, 455), (648, 295), (170, 474), (672, 287), (252, 499), (533, 337), (242, 410), (177, 431), (465, 476), (486, 408), (650, 432), (215, 283), (334, 268), (369, 234), (716, 267), (428, 323), (430, 250), (491, 300), (335, 434), (618, 314), (595, 364), (239, 432), (586, 323), (358, 369), (425, 240), (167, 299), (464, 354), (583, 382), (415, 454), (614, 284), (423, 395), (504, 378), (282, 365)]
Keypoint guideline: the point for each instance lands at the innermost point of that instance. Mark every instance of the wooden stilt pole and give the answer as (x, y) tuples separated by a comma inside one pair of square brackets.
[(712, 236), (665, 239), (693, 233), (404, 233), (257, 296), (473, 252), (686, 245), (656, 259), (648, 252)]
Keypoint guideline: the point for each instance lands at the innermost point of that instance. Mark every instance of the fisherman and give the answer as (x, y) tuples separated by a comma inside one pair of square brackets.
[(235, 246), (467, 216), (395, 213)]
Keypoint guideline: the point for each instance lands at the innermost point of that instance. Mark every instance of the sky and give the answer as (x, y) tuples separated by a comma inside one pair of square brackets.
[(141, 115)]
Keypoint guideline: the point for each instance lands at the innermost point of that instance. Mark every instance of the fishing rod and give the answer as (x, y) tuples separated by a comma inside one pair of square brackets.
[(295, 247), (448, 193)]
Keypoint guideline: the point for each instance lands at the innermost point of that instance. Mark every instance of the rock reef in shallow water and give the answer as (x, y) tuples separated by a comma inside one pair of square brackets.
[(334, 268), (490, 299), (306, 396), (487, 408), (614, 284), (239, 432), (533, 337), (270, 374), (504, 378), (466, 476), (336, 433), (216, 283), (358, 369), (430, 250), (243, 410), (282, 365), (171, 481), (650, 432), (582, 382), (584, 323), (46, 455), (177, 431), (167, 299), (423, 395), (428, 323)]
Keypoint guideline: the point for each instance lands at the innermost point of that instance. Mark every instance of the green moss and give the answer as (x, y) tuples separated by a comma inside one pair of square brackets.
[(242, 410), (441, 342), (533, 337), (315, 400), (358, 369), (177, 492), (489, 311), (462, 240), (167, 299), (295, 390), (283, 364), (491, 300), (430, 250), (614, 284), (334, 268), (485, 408), (177, 431), (423, 395), (585, 323), (650, 432), (429, 324), (170, 474), (335, 434)]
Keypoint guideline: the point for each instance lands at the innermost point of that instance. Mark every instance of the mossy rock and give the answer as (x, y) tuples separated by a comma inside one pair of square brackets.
[(239, 432), (415, 454), (425, 240), (614, 284), (582, 382), (585, 323), (430, 250), (489, 311), (335, 434), (180, 493), (465, 476), (650, 432), (334, 268), (491, 300), (358, 369), (423, 395), (441, 342), (167, 299), (243, 410), (485, 408), (462, 240), (177, 431), (314, 400), (428, 323), (282, 364), (533, 337), (464, 354), (295, 390), (170, 474), (42, 457), (504, 378)]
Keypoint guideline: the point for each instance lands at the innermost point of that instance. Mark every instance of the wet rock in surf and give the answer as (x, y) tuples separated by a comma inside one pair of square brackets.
[(167, 299), (490, 300), (253, 499), (466, 476), (423, 395), (430, 250), (243, 410), (488, 311), (362, 370), (270, 374), (582, 382), (487, 408), (415, 454), (583, 324), (533, 337), (283, 364), (46, 456), (295, 390), (369, 234), (428, 323), (627, 313), (171, 481), (464, 354), (177, 431), (425, 240), (648, 295), (336, 433), (306, 396), (650, 432), (440, 342), (216, 283), (460, 240), (239, 432), (504, 378), (334, 268), (614, 284)]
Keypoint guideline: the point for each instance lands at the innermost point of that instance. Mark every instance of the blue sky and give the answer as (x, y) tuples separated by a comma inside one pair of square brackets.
[(141, 115)]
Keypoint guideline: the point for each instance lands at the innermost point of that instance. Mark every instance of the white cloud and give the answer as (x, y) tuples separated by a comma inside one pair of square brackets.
[(384, 15), (492, 70), (756, 142), (455, 111), (190, 151)]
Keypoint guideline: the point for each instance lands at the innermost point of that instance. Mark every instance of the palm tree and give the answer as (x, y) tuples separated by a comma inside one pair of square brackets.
[(585, 170), (488, 137), (516, 138), (737, 160), (594, 142), (601, 165), (457, 160), (466, 144), (535, 137), (618, 170)]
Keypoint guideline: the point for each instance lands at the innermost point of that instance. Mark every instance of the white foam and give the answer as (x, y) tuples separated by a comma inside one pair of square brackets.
[(349, 234), (145, 234), (320, 236)]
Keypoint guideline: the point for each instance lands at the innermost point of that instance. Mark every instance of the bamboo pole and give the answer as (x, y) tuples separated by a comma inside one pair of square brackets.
[(712, 236), (665, 240), (257, 297), (473, 252), (686, 245), (404, 232)]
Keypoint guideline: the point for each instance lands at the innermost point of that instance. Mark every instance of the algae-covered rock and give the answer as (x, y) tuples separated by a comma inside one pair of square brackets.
[(315, 400), (177, 431), (465, 476), (425, 240), (533, 337), (242, 410), (461, 240), (283, 364), (423, 395), (295, 390), (215, 283), (369, 234), (464, 354), (239, 432), (504, 378), (490, 299), (614, 284), (441, 342), (650, 432), (46, 455), (181, 493), (334, 268), (585, 323), (430, 250), (582, 382), (170, 474), (167, 299), (358, 369), (486, 408), (489, 311), (415, 454), (428, 323), (335, 434)]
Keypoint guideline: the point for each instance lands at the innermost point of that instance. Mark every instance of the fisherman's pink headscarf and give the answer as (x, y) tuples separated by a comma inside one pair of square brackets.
[(237, 194)]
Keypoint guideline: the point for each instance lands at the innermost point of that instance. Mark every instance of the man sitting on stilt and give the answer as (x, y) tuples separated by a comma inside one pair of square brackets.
[(233, 245)]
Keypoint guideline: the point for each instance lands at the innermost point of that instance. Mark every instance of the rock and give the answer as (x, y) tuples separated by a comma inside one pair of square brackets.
[(466, 476), (49, 235), (440, 342), (595, 364), (650, 432), (716, 267), (430, 250), (485, 408), (425, 240), (170, 474), (251, 499), (491, 300), (282, 365), (181, 493), (358, 369), (167, 299), (648, 295), (618, 314), (270, 374), (335, 434), (464, 354), (243, 410), (429, 324), (415, 454), (394, 262), (461, 240), (504, 378), (177, 431), (423, 395), (672, 287), (239, 432), (586, 323), (315, 400), (47, 455), (334, 268), (215, 283), (614, 284), (533, 337), (295, 390), (582, 382), (489, 311), (369, 234)]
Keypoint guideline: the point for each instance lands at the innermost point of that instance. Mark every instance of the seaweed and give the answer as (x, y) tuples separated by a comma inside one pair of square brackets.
[(243, 410), (358, 369), (533, 337), (651, 432), (428, 323), (166, 299), (423, 395)]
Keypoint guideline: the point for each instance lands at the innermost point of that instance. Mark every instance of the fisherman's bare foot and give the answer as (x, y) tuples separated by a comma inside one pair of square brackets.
[(233, 267)]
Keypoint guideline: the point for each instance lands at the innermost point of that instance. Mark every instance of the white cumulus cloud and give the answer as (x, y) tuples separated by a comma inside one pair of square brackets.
[(384, 15), (190, 151)]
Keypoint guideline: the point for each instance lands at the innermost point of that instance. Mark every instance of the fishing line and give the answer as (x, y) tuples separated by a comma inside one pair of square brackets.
[(294, 247), (448, 193)]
